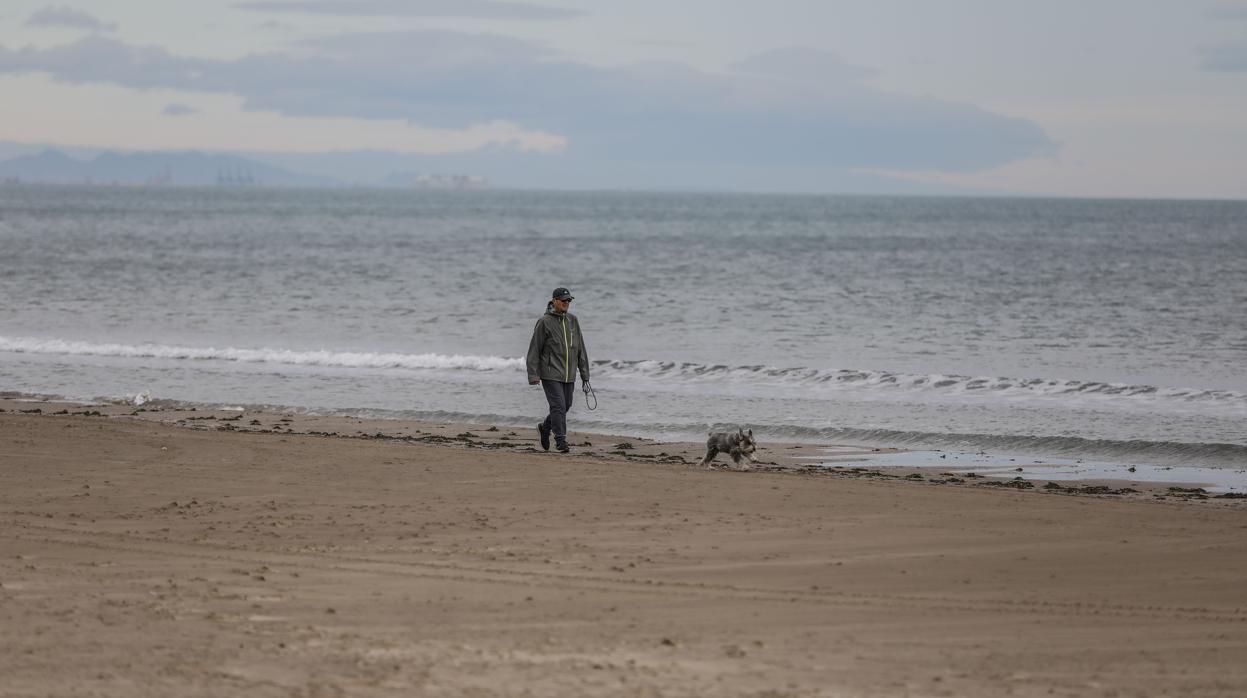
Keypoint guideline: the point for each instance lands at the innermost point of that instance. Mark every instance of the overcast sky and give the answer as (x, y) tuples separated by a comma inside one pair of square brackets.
[(1140, 98)]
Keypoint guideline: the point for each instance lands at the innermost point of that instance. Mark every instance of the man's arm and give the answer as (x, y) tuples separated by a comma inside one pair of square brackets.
[(533, 363)]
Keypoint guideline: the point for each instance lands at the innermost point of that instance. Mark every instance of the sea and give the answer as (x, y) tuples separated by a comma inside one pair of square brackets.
[(1107, 330)]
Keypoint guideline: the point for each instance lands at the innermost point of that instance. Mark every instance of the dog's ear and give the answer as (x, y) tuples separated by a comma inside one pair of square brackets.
[(751, 433), (740, 430)]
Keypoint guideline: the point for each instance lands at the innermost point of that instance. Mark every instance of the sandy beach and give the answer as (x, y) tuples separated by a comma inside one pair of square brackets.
[(192, 553)]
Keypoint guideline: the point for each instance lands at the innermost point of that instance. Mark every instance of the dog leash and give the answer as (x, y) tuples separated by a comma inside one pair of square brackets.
[(589, 394)]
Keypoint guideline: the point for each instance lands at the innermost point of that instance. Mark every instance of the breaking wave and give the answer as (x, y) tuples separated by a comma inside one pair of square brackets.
[(890, 381), (274, 356), (667, 371)]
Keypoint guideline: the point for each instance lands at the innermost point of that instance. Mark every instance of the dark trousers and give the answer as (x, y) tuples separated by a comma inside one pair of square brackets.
[(559, 395)]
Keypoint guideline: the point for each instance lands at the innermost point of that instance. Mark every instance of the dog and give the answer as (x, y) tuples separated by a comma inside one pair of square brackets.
[(738, 444)]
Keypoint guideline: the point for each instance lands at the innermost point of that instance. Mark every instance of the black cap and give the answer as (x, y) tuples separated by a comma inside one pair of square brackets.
[(562, 294)]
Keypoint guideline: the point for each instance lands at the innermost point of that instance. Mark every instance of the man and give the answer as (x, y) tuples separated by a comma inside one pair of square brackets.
[(556, 351)]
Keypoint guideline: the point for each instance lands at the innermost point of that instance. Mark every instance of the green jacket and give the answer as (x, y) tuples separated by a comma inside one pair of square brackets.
[(557, 349)]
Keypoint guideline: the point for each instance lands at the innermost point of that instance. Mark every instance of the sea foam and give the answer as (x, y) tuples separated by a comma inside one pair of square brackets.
[(276, 356)]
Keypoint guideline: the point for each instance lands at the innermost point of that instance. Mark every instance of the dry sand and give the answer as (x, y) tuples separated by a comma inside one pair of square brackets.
[(163, 553)]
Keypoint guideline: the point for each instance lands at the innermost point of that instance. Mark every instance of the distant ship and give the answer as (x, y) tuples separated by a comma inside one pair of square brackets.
[(457, 182), (231, 177)]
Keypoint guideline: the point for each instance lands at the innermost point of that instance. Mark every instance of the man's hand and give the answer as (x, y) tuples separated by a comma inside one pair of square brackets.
[(534, 382)]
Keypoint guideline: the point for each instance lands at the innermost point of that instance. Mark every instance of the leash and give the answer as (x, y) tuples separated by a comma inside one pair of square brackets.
[(589, 394)]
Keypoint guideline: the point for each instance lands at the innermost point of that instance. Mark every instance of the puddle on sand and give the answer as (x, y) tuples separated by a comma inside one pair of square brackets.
[(1218, 480)]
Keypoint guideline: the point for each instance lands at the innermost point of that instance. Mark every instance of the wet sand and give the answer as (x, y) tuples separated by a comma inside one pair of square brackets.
[(193, 553)]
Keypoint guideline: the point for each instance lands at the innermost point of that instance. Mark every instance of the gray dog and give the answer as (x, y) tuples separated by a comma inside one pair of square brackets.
[(738, 444)]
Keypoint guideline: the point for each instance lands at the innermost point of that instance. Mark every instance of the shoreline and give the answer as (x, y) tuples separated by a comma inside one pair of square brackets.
[(844, 461), (220, 557)]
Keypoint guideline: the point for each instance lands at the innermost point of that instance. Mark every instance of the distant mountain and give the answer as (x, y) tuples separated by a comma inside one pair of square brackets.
[(48, 166), (504, 168), (497, 167), (172, 168)]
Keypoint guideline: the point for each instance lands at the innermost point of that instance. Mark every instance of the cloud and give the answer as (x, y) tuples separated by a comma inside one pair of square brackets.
[(803, 64), (1226, 58), (472, 9), (98, 59), (176, 109), (1228, 12), (793, 108), (63, 16)]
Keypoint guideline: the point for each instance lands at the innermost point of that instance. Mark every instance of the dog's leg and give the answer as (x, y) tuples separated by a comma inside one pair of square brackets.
[(736, 458), (711, 452)]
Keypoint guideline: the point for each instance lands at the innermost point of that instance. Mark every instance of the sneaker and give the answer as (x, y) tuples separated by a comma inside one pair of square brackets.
[(545, 436), (561, 447)]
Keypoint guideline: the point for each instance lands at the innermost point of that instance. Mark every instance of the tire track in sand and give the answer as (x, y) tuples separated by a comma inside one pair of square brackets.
[(479, 574)]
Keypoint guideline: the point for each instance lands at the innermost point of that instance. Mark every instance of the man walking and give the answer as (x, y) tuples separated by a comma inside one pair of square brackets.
[(556, 351)]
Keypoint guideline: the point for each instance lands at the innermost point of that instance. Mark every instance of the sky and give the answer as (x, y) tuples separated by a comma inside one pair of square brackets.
[(1094, 98)]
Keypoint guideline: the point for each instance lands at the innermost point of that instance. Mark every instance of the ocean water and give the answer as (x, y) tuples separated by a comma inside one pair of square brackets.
[(1074, 328)]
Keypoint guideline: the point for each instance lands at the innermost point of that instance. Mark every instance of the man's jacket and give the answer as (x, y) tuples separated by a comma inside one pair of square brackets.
[(557, 349)]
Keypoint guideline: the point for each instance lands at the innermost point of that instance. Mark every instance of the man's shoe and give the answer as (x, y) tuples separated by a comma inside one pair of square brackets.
[(545, 436), (562, 447)]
